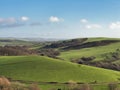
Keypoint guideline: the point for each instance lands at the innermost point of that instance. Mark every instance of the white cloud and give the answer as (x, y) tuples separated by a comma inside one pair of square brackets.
[(88, 25), (84, 21), (24, 18), (55, 19), (93, 26), (115, 25)]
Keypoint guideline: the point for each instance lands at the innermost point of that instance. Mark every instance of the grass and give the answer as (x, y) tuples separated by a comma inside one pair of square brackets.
[(101, 38), (44, 69), (65, 87), (86, 52)]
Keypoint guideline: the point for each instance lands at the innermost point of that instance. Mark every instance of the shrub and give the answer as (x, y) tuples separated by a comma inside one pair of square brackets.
[(4, 83), (112, 56), (34, 87), (72, 84), (86, 87), (83, 60), (112, 86), (18, 86), (49, 52), (15, 50)]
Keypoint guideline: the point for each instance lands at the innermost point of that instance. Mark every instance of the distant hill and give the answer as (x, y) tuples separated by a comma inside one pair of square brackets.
[(11, 41), (14, 42), (100, 52), (39, 39), (30, 39), (82, 43)]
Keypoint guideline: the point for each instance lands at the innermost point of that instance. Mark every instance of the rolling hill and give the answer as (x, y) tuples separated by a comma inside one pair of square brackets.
[(100, 52), (90, 51), (44, 69), (14, 42)]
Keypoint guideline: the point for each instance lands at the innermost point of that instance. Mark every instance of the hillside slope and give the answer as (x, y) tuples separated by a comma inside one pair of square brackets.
[(44, 69), (90, 51), (99, 52)]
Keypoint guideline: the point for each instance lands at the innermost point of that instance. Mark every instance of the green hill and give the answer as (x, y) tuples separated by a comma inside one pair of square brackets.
[(99, 52), (100, 39), (92, 51), (96, 51), (44, 69)]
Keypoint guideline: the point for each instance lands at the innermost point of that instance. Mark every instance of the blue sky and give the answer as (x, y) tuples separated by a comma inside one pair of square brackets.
[(60, 18)]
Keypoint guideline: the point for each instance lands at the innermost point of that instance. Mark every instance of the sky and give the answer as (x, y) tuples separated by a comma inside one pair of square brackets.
[(59, 18)]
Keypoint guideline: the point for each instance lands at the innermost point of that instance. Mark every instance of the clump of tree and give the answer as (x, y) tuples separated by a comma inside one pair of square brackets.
[(15, 50), (90, 44), (106, 65), (24, 50), (112, 56), (66, 43), (48, 52), (83, 60), (108, 61)]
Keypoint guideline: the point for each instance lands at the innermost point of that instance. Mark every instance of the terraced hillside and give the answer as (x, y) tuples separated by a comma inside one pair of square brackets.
[(44, 69)]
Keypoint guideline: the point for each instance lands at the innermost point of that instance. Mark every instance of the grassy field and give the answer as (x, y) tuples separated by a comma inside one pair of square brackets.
[(44, 69), (87, 52), (100, 38)]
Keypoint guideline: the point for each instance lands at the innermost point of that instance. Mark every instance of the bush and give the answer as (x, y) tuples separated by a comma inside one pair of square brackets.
[(4, 83), (15, 51), (83, 60), (112, 86), (34, 87), (112, 56), (72, 84), (48, 52)]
